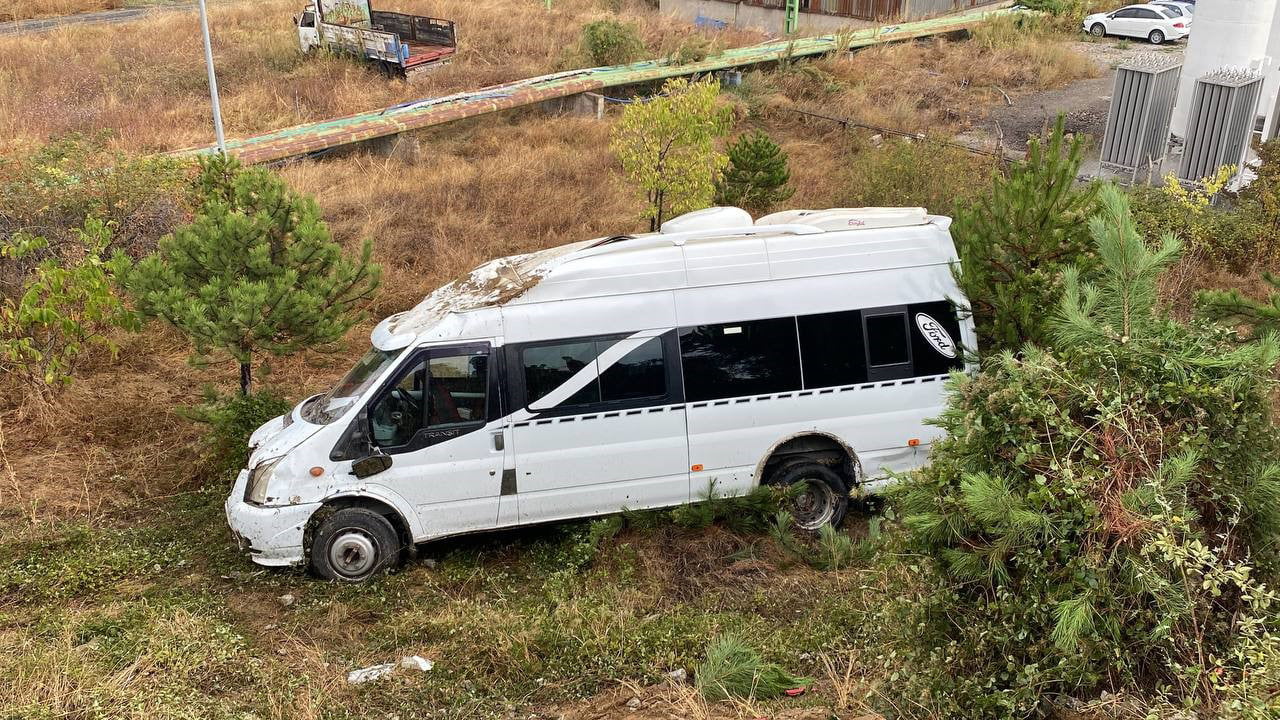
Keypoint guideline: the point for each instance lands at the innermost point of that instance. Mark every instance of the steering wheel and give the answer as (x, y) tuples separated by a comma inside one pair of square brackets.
[(398, 412)]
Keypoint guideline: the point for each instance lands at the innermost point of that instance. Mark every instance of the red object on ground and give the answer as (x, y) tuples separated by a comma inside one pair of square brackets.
[(793, 692)]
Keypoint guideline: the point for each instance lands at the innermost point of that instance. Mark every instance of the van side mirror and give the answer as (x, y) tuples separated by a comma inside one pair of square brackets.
[(371, 465), (295, 19)]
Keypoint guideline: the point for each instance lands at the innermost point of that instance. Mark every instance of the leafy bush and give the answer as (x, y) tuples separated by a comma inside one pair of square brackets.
[(610, 42), (51, 192), (1228, 235), (732, 669), (256, 272), (927, 173), (667, 147), (1015, 242), (757, 175), (231, 421), (1100, 517), (66, 305)]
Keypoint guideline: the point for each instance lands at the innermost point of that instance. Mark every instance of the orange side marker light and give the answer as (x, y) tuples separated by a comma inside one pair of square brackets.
[(317, 471), (913, 442), (697, 468)]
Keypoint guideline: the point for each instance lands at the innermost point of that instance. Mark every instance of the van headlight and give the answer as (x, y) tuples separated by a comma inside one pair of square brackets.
[(255, 491)]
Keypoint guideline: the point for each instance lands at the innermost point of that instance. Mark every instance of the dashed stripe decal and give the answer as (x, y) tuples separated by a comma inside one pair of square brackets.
[(733, 401)]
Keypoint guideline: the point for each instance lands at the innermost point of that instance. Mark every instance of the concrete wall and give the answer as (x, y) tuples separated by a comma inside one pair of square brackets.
[(752, 16), (774, 19)]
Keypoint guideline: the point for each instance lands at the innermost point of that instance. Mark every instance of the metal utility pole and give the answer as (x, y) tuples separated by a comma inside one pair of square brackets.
[(213, 80), (792, 16)]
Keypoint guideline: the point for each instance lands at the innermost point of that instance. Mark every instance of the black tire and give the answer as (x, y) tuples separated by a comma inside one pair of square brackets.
[(823, 498), (1156, 37), (353, 545), (1098, 30)]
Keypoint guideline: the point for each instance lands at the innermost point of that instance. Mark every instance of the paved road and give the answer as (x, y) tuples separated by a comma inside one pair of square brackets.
[(122, 15)]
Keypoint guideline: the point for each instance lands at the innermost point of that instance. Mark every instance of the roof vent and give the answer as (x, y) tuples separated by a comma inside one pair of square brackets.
[(709, 219), (850, 218)]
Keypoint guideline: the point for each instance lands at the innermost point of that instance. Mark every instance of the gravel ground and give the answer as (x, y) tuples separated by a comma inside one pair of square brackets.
[(1085, 102)]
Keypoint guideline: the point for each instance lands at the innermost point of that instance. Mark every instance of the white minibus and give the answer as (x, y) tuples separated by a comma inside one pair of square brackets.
[(806, 348)]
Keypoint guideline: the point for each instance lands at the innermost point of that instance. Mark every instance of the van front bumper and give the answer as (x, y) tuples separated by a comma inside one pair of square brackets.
[(271, 535)]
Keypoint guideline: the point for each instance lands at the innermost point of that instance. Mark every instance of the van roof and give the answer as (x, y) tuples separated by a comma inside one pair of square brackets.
[(715, 246)]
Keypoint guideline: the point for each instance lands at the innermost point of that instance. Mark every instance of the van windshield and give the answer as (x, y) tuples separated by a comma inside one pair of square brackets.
[(326, 408)]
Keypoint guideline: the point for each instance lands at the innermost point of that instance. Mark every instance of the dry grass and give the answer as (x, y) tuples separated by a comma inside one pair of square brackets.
[(27, 9), (934, 86), (153, 93)]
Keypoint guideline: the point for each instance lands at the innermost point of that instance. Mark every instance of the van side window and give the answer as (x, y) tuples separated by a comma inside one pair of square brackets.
[(548, 367), (568, 373), (308, 20), (446, 392), (458, 389), (397, 416), (640, 373), (754, 357), (888, 344), (831, 348)]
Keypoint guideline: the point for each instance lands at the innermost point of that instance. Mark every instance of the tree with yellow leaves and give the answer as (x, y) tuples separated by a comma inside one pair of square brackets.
[(668, 150)]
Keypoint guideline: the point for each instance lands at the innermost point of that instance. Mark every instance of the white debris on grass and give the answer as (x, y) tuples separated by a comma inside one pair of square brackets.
[(373, 672)]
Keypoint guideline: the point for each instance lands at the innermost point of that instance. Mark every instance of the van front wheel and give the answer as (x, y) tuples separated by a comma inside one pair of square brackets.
[(353, 544), (819, 496)]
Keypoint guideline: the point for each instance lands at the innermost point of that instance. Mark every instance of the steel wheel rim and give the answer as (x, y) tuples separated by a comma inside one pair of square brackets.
[(1098, 31), (353, 553), (815, 505), (1157, 37)]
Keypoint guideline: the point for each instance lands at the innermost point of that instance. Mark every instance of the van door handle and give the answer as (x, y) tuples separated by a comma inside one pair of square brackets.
[(499, 441)]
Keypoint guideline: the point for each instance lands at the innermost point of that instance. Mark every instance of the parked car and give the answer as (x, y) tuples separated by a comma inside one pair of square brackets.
[(1152, 22), (1183, 9), (806, 350)]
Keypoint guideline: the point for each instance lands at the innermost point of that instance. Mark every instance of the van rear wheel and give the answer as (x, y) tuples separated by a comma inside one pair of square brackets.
[(819, 495), (354, 544)]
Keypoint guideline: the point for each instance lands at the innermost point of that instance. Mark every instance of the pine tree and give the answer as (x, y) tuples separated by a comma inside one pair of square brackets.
[(757, 175), (1016, 242), (1100, 515), (256, 271), (667, 147), (1229, 306)]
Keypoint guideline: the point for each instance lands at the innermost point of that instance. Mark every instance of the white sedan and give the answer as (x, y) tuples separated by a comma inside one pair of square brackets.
[(1152, 22)]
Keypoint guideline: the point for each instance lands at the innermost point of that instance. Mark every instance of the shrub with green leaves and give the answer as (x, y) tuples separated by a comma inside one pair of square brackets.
[(231, 420), (610, 42), (667, 147), (757, 175), (1101, 516), (52, 190), (256, 272), (733, 669), (1015, 242), (66, 305)]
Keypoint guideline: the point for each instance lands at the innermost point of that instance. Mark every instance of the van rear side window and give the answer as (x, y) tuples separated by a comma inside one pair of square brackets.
[(569, 373), (831, 345), (755, 357)]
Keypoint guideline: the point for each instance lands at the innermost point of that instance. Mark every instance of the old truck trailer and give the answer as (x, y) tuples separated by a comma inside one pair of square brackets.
[(396, 42)]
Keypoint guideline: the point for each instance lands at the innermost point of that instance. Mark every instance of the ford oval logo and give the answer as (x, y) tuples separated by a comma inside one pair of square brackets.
[(937, 335)]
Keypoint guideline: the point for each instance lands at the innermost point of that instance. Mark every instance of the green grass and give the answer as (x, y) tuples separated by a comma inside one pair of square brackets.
[(164, 618)]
